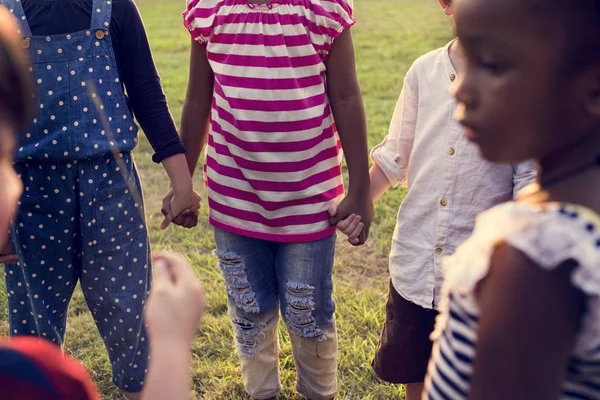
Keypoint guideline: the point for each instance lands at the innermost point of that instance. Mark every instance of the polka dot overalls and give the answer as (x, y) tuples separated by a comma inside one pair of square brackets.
[(79, 218)]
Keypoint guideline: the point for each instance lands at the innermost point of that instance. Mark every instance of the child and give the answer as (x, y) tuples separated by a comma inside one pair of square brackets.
[(32, 368), (81, 217), (448, 185), (520, 315), (273, 169)]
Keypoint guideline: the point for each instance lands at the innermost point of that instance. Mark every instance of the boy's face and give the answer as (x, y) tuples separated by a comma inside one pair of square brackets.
[(10, 184), (514, 97)]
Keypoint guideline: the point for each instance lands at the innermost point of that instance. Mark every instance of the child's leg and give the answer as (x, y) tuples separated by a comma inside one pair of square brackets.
[(249, 271), (404, 347), (45, 237), (306, 292), (116, 271)]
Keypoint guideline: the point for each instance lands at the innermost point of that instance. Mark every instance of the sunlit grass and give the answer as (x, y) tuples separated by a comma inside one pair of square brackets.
[(389, 35)]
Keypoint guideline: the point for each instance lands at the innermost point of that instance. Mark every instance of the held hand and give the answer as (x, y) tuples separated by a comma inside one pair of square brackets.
[(351, 226), (180, 209), (353, 217), (7, 255), (177, 301)]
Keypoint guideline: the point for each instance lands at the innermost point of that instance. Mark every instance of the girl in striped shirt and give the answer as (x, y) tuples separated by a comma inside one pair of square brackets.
[(273, 93), (520, 315)]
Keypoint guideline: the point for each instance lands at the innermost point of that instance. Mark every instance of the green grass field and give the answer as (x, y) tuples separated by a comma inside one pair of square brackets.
[(389, 35)]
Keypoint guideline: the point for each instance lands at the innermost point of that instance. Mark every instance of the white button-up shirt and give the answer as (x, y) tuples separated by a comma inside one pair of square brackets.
[(449, 183)]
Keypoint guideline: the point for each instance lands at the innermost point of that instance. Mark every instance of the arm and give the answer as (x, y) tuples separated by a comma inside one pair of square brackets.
[(169, 371), (392, 156), (174, 308), (529, 319), (525, 174), (349, 114), (149, 104), (194, 126), (139, 75), (196, 109), (348, 110)]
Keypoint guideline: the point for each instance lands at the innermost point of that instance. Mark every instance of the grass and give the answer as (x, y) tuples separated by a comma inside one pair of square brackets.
[(390, 34)]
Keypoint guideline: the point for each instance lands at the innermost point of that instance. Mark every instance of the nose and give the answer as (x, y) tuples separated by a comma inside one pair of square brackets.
[(464, 92)]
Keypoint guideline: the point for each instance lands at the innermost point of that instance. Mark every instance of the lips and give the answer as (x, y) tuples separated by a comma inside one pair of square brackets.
[(471, 132)]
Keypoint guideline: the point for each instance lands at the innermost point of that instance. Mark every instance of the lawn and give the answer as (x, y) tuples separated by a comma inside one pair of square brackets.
[(389, 35)]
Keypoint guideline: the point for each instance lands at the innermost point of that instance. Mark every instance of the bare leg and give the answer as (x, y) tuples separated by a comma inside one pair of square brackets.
[(414, 391)]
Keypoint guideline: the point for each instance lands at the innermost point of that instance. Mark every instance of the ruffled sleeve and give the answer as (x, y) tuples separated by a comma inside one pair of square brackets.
[(332, 18), (549, 236), (199, 17)]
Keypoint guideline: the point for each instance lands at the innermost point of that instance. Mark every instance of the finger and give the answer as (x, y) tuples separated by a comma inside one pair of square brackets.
[(344, 224), (357, 231), (191, 221), (353, 226), (180, 220), (179, 268), (353, 242), (165, 222), (362, 238), (166, 204), (162, 274), (341, 214)]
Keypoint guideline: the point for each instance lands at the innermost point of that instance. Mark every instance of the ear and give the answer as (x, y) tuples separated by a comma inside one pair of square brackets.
[(445, 7)]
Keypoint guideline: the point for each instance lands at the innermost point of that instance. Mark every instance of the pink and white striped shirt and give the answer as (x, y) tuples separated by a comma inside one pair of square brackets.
[(273, 162)]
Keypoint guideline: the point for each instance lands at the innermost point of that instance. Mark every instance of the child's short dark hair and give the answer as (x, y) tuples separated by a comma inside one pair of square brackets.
[(16, 86)]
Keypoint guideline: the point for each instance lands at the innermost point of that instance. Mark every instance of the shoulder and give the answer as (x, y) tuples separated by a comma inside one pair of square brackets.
[(547, 234), (425, 68), (123, 6)]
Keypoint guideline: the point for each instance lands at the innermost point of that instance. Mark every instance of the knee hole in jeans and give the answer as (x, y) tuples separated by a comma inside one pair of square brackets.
[(247, 336), (238, 285), (299, 316)]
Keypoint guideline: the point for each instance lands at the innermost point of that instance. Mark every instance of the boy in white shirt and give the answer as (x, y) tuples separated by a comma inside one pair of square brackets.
[(449, 184)]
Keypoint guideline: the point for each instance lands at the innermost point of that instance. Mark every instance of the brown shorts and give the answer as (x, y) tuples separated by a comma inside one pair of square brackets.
[(404, 347)]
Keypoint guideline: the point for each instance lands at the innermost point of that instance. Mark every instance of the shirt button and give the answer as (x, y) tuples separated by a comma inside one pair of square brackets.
[(25, 43), (452, 77), (444, 202), (438, 250), (451, 151), (100, 34)]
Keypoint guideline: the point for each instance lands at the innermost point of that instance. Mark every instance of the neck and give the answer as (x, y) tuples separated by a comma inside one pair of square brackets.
[(568, 162), (456, 57)]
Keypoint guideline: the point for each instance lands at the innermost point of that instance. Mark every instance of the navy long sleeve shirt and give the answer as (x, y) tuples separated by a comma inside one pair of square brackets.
[(134, 60)]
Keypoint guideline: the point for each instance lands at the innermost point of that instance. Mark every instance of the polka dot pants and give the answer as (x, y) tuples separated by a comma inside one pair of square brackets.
[(78, 221)]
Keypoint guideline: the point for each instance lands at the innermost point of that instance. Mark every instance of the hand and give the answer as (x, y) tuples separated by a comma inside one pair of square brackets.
[(351, 226), (354, 205), (180, 209), (7, 255), (176, 303)]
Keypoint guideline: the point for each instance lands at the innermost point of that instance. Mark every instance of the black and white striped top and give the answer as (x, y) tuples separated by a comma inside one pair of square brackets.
[(550, 235)]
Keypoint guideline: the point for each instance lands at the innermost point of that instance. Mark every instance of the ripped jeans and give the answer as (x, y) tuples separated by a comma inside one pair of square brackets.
[(263, 277)]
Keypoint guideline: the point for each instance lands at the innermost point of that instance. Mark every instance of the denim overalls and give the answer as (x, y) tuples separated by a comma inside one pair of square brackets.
[(81, 217)]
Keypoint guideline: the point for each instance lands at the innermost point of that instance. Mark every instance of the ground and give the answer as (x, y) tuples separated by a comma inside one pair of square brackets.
[(389, 35)]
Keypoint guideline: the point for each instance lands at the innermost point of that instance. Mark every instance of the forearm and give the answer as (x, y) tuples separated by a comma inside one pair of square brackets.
[(194, 131), (352, 128), (177, 169), (379, 182), (169, 372)]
